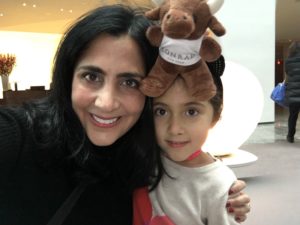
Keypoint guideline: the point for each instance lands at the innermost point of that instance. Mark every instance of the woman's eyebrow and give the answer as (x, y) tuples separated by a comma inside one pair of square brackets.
[(131, 75), (90, 68), (99, 70)]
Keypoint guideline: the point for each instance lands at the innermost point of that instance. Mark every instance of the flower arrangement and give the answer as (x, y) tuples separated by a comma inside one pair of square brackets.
[(7, 63)]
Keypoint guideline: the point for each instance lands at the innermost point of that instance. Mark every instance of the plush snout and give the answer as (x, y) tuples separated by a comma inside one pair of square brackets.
[(177, 24)]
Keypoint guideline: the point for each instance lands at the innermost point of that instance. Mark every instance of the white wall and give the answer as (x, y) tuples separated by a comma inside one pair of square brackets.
[(250, 41), (34, 55)]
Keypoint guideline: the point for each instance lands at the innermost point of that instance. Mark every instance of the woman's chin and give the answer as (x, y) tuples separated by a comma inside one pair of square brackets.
[(102, 141)]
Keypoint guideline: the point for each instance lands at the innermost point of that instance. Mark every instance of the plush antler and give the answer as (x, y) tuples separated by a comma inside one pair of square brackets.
[(215, 5)]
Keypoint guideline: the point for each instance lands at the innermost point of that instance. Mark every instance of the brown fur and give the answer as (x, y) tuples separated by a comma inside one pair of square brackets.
[(183, 19)]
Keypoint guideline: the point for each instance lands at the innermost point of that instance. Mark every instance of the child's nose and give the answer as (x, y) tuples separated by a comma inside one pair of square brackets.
[(175, 126)]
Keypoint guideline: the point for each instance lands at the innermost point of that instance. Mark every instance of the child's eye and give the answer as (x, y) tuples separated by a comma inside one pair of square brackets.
[(132, 83), (160, 112), (192, 112)]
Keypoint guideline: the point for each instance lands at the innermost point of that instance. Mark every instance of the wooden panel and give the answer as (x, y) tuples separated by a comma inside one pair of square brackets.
[(19, 97)]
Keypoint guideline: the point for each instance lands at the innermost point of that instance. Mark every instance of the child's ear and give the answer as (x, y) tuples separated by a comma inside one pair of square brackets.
[(214, 121), (216, 118)]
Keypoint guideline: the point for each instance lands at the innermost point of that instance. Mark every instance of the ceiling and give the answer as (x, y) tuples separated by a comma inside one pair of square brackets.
[(54, 16), (287, 20), (49, 16)]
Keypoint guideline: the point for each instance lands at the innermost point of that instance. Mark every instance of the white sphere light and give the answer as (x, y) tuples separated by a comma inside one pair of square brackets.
[(242, 109)]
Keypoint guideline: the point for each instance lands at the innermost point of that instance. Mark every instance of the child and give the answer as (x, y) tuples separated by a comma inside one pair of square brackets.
[(194, 189)]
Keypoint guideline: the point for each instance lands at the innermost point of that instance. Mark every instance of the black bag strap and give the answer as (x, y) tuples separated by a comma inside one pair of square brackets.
[(65, 209)]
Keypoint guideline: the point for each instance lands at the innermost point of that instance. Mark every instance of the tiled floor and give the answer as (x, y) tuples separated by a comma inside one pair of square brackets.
[(273, 181)]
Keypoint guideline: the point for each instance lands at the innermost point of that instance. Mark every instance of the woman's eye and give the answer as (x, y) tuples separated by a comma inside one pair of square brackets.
[(160, 112), (132, 83), (192, 112), (91, 77)]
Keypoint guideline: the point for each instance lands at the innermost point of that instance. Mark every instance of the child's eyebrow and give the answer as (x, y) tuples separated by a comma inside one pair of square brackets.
[(159, 103), (195, 104)]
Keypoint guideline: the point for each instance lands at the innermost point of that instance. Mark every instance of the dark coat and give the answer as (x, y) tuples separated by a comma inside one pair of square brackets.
[(292, 69), (31, 194)]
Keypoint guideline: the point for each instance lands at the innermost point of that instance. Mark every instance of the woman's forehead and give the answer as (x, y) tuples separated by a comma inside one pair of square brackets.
[(114, 53)]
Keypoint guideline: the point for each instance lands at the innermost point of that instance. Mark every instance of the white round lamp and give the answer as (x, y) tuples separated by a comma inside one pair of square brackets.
[(243, 105)]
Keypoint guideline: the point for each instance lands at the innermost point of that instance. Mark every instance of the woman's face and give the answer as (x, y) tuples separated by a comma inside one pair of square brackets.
[(105, 94)]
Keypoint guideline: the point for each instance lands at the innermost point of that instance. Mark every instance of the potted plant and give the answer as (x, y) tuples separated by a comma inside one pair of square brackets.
[(7, 63)]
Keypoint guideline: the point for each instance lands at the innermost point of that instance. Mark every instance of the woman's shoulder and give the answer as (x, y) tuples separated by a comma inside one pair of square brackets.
[(18, 133), (10, 112), (15, 129), (13, 121)]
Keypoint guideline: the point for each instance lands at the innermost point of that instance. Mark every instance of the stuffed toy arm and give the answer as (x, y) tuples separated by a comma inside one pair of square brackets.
[(210, 49)]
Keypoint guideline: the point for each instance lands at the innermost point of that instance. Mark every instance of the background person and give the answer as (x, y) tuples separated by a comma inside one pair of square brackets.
[(292, 97)]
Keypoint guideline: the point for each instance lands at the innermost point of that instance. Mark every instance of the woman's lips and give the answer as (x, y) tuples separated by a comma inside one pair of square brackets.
[(104, 122)]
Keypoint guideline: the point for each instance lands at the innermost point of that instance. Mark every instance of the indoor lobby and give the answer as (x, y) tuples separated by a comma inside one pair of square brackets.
[(258, 35)]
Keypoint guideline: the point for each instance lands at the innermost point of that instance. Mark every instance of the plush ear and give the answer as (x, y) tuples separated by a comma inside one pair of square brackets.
[(216, 27), (153, 14)]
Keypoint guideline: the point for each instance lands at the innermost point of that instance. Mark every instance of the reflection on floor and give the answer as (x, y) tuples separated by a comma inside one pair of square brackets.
[(273, 182)]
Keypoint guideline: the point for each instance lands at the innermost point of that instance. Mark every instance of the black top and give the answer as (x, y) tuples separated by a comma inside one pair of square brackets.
[(292, 69), (31, 193)]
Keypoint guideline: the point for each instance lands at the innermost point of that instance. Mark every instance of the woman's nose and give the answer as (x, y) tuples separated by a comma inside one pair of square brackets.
[(107, 99)]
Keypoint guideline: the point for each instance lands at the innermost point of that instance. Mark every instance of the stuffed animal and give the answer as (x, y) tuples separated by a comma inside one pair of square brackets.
[(184, 48)]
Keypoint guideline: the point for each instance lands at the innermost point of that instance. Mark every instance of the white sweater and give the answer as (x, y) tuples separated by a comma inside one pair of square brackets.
[(196, 196)]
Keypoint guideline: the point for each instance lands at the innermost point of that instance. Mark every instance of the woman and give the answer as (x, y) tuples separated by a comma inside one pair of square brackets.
[(292, 69), (76, 156)]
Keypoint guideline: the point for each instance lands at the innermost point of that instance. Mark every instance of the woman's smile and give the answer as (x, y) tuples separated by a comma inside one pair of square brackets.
[(104, 122)]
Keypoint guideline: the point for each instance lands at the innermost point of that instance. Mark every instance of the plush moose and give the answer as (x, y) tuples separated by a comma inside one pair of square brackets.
[(184, 47)]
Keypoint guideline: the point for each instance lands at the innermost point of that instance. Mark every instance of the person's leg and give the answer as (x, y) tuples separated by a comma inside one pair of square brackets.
[(293, 116)]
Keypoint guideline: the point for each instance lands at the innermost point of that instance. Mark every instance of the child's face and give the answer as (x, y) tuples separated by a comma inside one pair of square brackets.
[(181, 122)]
